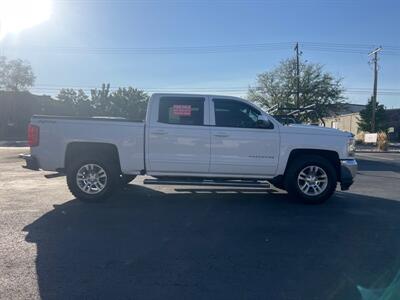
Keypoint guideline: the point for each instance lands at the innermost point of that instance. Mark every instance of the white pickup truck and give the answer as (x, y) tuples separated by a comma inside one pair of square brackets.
[(193, 139)]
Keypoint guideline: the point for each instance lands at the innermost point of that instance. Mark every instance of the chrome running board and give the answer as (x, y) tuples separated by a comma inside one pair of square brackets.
[(209, 182)]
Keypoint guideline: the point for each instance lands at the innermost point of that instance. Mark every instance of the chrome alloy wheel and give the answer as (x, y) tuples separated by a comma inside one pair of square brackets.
[(91, 178), (312, 180)]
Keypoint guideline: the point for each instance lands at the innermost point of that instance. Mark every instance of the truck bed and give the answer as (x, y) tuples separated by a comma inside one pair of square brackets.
[(58, 132)]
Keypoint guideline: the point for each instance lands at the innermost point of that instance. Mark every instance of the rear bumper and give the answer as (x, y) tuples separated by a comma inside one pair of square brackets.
[(348, 170), (31, 162)]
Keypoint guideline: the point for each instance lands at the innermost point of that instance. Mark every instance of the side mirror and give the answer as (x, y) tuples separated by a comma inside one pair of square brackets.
[(262, 122)]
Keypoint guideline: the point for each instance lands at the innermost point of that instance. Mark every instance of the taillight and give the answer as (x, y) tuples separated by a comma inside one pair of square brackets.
[(33, 135)]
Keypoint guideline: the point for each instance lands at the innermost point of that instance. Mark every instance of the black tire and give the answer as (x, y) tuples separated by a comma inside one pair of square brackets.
[(125, 179), (111, 185), (292, 185)]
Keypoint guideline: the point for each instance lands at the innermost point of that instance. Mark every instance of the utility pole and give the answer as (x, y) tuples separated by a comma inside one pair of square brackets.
[(375, 92), (296, 48)]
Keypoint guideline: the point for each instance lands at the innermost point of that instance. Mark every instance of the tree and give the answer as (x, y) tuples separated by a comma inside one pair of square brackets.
[(130, 103), (101, 100), (366, 117), (279, 86), (127, 102), (15, 75), (75, 102)]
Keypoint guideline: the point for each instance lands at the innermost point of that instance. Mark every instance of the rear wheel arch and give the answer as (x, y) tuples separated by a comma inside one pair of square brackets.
[(91, 150)]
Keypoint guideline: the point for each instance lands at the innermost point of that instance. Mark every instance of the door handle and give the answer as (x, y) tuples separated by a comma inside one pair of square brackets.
[(221, 134), (159, 132)]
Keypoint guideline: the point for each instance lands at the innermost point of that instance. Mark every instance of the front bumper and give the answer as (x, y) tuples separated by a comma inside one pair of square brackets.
[(348, 170), (31, 162)]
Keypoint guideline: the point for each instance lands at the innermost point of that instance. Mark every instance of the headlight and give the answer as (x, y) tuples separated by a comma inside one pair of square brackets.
[(351, 147)]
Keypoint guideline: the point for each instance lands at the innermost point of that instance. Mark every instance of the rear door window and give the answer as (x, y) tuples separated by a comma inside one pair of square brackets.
[(181, 110)]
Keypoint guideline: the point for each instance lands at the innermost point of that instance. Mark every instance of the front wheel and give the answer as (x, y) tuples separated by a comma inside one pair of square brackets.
[(311, 178), (92, 180)]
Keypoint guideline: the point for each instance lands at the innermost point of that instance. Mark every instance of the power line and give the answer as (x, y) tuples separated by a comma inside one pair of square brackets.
[(211, 49), (242, 89), (161, 50), (202, 1), (61, 85)]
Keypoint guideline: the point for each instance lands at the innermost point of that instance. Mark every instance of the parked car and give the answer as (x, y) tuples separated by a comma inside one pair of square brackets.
[(193, 139)]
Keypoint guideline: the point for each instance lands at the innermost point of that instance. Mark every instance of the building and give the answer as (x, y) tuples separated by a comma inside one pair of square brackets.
[(346, 119), (393, 121), (16, 109)]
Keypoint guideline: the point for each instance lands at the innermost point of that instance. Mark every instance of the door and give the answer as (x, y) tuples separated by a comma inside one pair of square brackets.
[(239, 146), (177, 139)]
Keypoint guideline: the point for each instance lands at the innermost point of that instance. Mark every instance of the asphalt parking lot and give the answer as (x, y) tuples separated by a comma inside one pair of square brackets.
[(199, 243)]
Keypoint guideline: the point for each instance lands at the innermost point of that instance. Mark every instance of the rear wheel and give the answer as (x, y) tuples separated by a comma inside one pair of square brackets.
[(92, 179), (311, 178)]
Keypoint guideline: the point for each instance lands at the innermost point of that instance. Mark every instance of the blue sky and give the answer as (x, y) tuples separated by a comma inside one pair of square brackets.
[(88, 42)]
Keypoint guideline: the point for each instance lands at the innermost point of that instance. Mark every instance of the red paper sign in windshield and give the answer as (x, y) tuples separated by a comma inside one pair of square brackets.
[(182, 110)]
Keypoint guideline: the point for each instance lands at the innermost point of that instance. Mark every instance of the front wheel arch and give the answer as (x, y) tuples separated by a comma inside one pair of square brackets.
[(330, 155)]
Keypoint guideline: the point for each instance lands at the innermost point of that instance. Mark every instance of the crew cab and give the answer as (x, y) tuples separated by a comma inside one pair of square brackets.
[(197, 139)]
